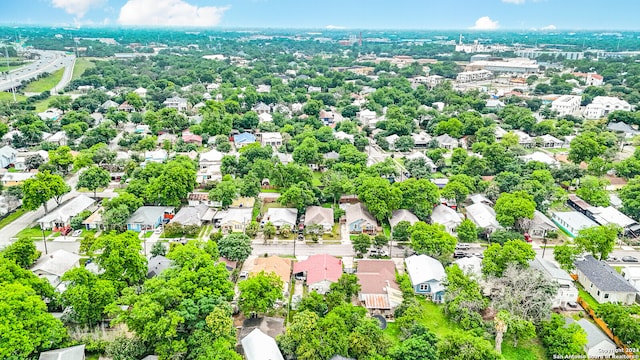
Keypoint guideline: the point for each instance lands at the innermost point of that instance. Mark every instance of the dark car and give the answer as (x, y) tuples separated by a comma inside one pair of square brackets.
[(459, 254), (629, 259)]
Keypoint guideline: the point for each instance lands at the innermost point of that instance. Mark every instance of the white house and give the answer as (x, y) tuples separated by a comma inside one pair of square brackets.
[(260, 346), (598, 343), (402, 215), (273, 139), (209, 158), (427, 276), (265, 117), (540, 157), (281, 216), (549, 141), (158, 156), (341, 135), (567, 291), (8, 156), (318, 215), (177, 103), (603, 282), (368, 117), (566, 104), (52, 266), (601, 106), (447, 142), (470, 265), (483, 216), (446, 216), (572, 221), (632, 275), (232, 220), (61, 216)]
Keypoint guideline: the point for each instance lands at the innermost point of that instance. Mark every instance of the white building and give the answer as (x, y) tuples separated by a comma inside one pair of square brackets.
[(567, 291), (477, 75), (632, 275), (177, 103), (601, 106), (566, 104)]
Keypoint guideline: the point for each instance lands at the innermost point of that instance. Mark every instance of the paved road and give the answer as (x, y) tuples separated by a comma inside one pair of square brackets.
[(70, 63), (49, 61)]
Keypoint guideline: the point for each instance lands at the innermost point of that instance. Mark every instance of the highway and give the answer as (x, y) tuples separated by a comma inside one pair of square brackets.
[(49, 61)]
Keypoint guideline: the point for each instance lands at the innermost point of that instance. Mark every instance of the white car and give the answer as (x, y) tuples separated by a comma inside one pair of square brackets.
[(77, 233)]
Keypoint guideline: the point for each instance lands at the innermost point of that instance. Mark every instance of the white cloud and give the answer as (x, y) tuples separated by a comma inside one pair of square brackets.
[(169, 13), (485, 23), (517, 2), (334, 27), (76, 7), (548, 27)]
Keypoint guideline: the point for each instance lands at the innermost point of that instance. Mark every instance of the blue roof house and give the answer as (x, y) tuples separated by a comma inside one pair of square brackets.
[(427, 276), (243, 139)]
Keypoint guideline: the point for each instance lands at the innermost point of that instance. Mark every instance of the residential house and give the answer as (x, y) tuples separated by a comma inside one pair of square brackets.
[(157, 265), (158, 156), (21, 159), (572, 221), (142, 92), (540, 157), (54, 265), (233, 220), (483, 216), (284, 158), (177, 103), (59, 138), (149, 217), (8, 156), (447, 142), (70, 353), (494, 104), (261, 108), (603, 282), (320, 271), (524, 139), (273, 139), (623, 128), (282, 267), (416, 155), (265, 117), (109, 104), (126, 107), (477, 75), (402, 215), (566, 104), (440, 182), (260, 346), (194, 215), (598, 345), (262, 88), (329, 117), (210, 158), (499, 133), (359, 220), (331, 155), (16, 178), (318, 215), (368, 118), (341, 135), (601, 106), (479, 199), (427, 276), (391, 140), (60, 217), (421, 140), (314, 89), (166, 137), (50, 114), (446, 216), (379, 291), (551, 142), (632, 275), (243, 139), (94, 221), (281, 216), (191, 138), (540, 225), (470, 265), (567, 291)]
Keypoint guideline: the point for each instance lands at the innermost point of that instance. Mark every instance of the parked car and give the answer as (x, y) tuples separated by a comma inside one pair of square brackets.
[(463, 246), (243, 275), (459, 254), (629, 259), (77, 233), (378, 252), (66, 231)]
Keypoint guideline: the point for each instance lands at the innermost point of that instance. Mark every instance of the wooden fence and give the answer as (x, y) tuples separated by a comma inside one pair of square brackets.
[(605, 328)]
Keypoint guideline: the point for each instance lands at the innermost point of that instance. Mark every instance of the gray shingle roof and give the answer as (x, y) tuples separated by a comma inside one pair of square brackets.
[(603, 276)]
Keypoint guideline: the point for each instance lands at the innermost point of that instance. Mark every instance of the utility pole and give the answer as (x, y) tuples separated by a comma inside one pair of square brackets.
[(44, 240), (544, 240)]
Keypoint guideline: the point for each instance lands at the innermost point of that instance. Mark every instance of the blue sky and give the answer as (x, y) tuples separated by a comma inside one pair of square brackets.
[(350, 14)]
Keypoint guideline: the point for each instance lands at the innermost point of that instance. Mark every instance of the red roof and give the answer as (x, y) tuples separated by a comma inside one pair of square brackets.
[(375, 275), (596, 76), (320, 267)]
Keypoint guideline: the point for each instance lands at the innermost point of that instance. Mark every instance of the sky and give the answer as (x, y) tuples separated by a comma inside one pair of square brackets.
[(331, 14)]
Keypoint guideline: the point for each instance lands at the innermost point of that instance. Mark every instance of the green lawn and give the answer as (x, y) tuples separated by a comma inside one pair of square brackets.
[(593, 303), (43, 105), (618, 269), (11, 217), (526, 350), (79, 68), (8, 97), (34, 232), (316, 179), (46, 83)]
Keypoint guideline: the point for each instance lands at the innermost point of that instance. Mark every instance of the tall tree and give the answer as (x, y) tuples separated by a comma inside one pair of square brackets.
[(379, 197), (298, 195), (61, 158), (592, 190), (562, 339), (511, 208), (432, 240), (87, 296), (259, 293), (224, 192), (418, 196), (120, 257), (497, 258), (235, 246), (598, 240), (464, 346), (455, 190), (467, 231), (23, 252), (40, 189), (93, 179)]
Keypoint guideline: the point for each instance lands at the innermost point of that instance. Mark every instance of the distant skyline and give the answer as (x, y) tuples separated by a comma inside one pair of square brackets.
[(331, 14)]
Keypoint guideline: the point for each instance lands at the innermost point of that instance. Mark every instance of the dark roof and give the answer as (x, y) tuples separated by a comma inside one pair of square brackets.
[(603, 276), (157, 264)]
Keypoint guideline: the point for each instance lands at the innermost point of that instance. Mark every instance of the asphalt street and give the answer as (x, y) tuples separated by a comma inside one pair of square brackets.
[(49, 61)]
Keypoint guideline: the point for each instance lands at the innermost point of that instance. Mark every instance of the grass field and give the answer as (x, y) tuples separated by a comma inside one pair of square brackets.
[(33, 233), (80, 66), (4, 68), (593, 303), (8, 97), (11, 217), (46, 83), (43, 105)]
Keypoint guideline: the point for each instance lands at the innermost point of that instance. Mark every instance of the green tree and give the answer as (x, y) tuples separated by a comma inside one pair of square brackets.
[(175, 182), (61, 158), (418, 196), (269, 230), (120, 257), (467, 231), (93, 179), (455, 190), (598, 240), (336, 185), (225, 192), (402, 231), (347, 285), (464, 346), (585, 147), (361, 243), (592, 190), (259, 293), (298, 195), (379, 197), (235, 247), (126, 348), (630, 196), (158, 249), (87, 296), (26, 328), (432, 240), (560, 339), (566, 255), (40, 189), (511, 208), (496, 257), (307, 152), (23, 252), (464, 300)]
